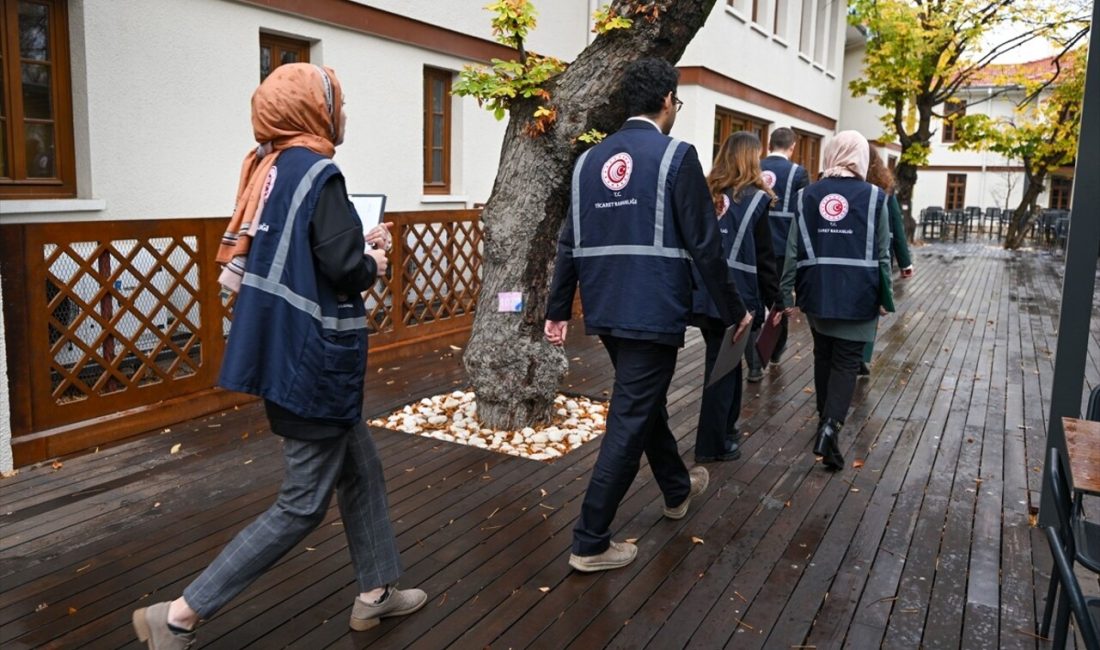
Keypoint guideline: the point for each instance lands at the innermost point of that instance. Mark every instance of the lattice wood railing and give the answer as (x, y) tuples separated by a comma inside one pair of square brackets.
[(120, 317)]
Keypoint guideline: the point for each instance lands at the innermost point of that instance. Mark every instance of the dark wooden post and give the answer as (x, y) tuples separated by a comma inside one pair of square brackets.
[(1079, 281)]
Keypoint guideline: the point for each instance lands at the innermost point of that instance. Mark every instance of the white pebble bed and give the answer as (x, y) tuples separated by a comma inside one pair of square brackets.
[(453, 417)]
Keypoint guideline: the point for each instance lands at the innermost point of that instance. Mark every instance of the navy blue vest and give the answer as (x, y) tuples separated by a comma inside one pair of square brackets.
[(838, 257), (633, 271), (739, 248), (781, 172), (294, 340)]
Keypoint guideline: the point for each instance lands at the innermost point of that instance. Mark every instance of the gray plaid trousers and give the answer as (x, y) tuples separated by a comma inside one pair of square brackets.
[(350, 464)]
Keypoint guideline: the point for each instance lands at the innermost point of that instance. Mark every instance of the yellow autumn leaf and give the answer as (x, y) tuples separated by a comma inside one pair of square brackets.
[(696, 540), (176, 448)]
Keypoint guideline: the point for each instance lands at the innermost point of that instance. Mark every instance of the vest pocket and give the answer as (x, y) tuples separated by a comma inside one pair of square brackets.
[(339, 389)]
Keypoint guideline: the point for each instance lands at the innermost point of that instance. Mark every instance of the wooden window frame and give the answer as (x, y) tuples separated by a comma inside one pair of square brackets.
[(952, 107), (1061, 190), (444, 187), (956, 188), (280, 44), (729, 122), (18, 185), (807, 152)]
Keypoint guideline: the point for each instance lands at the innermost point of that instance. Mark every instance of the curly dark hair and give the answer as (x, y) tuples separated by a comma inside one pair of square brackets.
[(646, 83)]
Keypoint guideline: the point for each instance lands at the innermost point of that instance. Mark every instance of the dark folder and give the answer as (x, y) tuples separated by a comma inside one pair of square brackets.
[(767, 338), (729, 355)]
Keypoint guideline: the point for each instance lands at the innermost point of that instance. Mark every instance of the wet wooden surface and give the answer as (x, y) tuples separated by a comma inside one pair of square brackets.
[(925, 539)]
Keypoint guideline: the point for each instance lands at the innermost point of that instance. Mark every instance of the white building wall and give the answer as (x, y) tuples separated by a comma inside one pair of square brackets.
[(733, 45), (162, 133), (562, 30)]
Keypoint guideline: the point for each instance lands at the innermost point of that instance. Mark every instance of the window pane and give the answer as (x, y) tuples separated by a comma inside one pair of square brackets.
[(437, 130), (437, 166), (36, 92), (437, 95), (40, 150), (34, 34), (288, 56), (265, 62)]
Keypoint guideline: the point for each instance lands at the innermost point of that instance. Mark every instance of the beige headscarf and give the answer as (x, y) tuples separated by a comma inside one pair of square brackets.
[(298, 105), (847, 155)]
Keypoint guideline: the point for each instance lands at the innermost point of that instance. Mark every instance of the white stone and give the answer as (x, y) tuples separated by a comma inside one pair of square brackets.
[(572, 405), (571, 422), (555, 436), (527, 432), (517, 439), (562, 412), (539, 438), (438, 419), (575, 440), (450, 403)]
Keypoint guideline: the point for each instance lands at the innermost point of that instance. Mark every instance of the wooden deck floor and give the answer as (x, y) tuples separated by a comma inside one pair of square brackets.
[(927, 543)]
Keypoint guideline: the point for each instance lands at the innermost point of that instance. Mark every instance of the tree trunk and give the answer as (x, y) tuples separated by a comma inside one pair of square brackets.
[(906, 177), (1024, 215), (515, 373)]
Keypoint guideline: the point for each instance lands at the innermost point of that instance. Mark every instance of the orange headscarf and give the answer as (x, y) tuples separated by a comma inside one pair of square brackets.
[(298, 105)]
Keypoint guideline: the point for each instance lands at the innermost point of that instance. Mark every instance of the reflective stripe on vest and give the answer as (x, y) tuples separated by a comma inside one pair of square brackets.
[(868, 260), (658, 249), (787, 211), (271, 284), (741, 230)]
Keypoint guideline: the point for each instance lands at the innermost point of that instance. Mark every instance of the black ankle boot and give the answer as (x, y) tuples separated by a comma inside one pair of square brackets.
[(828, 444)]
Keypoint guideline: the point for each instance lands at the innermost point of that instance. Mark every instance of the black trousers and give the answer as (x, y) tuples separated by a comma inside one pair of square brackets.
[(721, 404), (637, 423), (781, 340), (836, 363)]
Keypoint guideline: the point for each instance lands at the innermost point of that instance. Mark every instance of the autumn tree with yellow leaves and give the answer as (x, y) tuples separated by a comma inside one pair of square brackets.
[(1042, 133), (920, 53)]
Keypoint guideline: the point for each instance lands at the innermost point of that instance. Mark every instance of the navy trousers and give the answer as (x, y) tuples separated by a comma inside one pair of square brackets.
[(721, 404), (637, 423)]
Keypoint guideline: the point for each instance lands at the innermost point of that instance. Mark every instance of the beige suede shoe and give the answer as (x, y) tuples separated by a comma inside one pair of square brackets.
[(397, 602), (700, 478), (619, 554), (151, 626)]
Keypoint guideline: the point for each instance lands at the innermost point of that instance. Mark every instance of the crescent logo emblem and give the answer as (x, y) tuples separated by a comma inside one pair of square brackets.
[(616, 171), (833, 207)]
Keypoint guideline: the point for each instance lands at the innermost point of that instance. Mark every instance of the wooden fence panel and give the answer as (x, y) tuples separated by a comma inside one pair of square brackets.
[(107, 320)]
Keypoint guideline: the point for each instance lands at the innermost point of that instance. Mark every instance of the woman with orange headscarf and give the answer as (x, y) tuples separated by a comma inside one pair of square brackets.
[(294, 253), (838, 265)]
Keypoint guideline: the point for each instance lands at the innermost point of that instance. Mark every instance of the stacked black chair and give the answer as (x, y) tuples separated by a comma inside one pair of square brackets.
[(1078, 539), (1086, 611)]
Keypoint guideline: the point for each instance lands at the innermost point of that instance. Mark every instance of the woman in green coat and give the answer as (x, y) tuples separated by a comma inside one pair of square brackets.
[(879, 174)]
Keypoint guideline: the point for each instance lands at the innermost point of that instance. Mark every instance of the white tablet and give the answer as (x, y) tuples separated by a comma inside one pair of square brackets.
[(371, 208)]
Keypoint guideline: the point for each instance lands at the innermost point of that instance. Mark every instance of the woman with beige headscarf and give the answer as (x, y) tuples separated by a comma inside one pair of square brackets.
[(294, 254), (838, 266)]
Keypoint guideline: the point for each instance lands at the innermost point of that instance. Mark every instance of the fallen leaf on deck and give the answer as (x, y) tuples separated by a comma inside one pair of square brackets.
[(248, 461), (310, 548), (72, 610), (57, 464), (157, 504), (176, 448), (696, 540), (544, 589), (41, 606), (455, 348), (244, 435), (808, 390), (631, 540), (857, 463)]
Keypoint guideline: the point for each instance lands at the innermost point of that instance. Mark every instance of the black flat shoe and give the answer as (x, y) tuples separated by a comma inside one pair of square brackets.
[(827, 445), (864, 370)]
